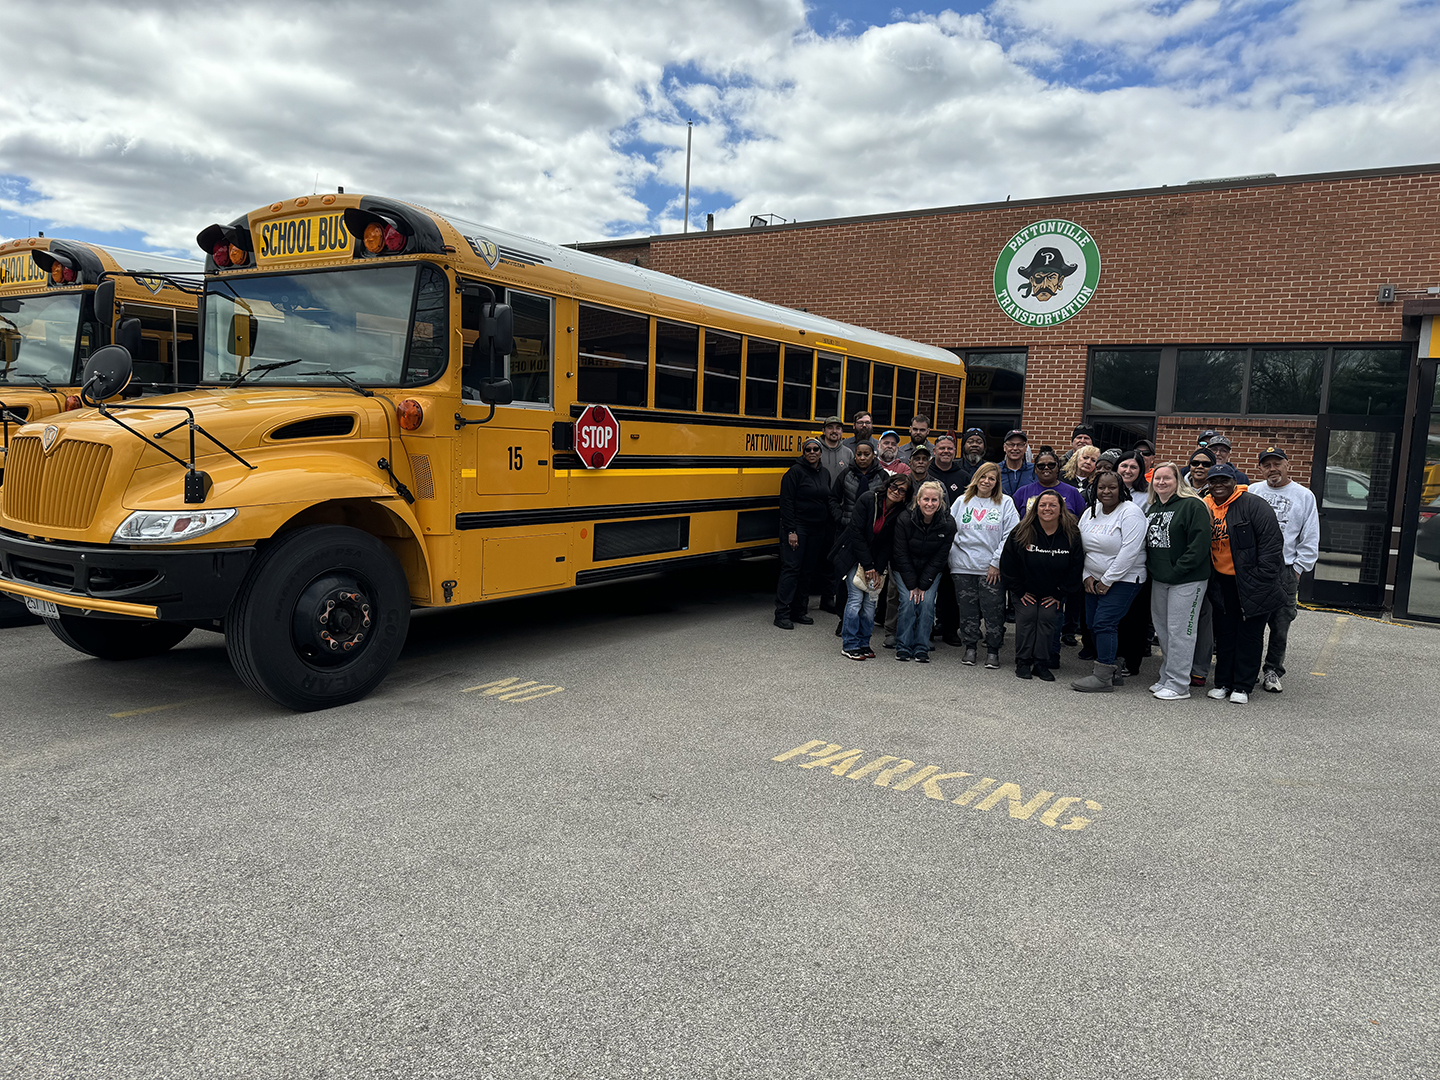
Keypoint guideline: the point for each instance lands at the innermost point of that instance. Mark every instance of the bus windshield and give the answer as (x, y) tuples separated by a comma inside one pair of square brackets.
[(371, 324), (37, 338)]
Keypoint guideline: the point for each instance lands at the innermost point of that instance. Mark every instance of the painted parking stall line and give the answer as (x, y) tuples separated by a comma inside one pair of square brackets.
[(1327, 651), (513, 689), (899, 774)]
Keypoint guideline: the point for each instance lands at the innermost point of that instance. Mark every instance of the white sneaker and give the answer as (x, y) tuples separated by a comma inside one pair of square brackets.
[(1166, 694), (1239, 697), (1155, 687), (1218, 693), (1272, 682)]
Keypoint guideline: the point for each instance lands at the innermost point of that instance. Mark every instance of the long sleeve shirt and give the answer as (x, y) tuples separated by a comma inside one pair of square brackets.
[(1299, 518), (1114, 543), (981, 526)]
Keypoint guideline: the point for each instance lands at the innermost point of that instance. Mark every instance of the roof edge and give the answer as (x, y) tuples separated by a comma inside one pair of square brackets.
[(1053, 200)]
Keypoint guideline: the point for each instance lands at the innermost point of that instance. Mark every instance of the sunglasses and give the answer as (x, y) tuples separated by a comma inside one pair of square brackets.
[(1046, 465)]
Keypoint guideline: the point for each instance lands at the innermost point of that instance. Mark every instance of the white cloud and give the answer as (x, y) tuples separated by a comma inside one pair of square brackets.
[(567, 120)]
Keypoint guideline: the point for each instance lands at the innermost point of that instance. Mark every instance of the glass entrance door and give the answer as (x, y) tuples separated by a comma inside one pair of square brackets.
[(1417, 584), (1353, 478)]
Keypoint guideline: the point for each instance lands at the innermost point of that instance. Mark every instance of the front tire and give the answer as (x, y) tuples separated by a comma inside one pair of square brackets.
[(320, 619), (117, 639)]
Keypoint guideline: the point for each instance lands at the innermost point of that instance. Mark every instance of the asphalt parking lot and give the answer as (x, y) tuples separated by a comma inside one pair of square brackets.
[(638, 831)]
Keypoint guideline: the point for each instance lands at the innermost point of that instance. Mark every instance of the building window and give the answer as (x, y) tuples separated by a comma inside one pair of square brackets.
[(1246, 381), (994, 394)]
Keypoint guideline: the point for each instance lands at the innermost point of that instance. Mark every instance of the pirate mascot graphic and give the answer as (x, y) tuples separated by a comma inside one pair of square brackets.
[(1046, 274)]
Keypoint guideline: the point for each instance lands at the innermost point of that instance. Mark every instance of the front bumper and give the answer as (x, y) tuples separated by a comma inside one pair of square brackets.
[(173, 584)]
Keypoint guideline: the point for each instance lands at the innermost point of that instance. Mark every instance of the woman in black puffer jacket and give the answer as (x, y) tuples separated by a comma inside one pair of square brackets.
[(922, 546), (865, 549)]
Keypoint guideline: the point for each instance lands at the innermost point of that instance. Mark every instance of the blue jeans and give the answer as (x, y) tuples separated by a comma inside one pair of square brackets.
[(1104, 613), (859, 621), (912, 628)]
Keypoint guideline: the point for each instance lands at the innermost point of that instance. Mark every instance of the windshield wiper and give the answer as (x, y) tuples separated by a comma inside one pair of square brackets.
[(39, 378), (344, 377), (263, 369)]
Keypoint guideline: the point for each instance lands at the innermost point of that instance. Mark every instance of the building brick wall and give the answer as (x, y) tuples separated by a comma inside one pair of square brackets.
[(1291, 262)]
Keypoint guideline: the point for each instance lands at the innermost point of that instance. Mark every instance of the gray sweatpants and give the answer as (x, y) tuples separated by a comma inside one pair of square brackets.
[(1175, 611)]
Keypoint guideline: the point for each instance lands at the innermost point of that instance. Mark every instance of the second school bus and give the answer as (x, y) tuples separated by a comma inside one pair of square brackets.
[(386, 420)]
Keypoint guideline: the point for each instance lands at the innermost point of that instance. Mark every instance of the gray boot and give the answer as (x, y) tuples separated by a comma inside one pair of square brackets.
[(1097, 682)]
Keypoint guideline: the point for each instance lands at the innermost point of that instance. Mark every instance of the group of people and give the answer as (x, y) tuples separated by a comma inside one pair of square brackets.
[(1103, 550)]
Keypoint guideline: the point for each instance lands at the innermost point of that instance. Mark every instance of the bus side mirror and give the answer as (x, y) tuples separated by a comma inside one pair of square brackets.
[(243, 331), (105, 302), (127, 336), (497, 392), (498, 333)]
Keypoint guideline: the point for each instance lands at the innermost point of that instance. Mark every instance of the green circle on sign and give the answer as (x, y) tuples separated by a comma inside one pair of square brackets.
[(1046, 273)]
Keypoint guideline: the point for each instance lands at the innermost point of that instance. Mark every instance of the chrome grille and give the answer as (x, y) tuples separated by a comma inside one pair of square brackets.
[(59, 489)]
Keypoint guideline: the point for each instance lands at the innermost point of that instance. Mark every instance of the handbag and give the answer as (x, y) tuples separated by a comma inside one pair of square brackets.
[(863, 584)]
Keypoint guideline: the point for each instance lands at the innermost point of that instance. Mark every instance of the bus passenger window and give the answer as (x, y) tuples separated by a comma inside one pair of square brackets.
[(947, 410), (677, 362), (722, 373), (827, 386), (857, 388), (882, 402), (528, 367), (762, 377), (925, 405), (904, 397), (614, 357), (799, 373)]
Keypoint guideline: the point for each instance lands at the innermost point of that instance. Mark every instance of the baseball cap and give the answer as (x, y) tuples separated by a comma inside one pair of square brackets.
[(1016, 433), (1147, 444), (1219, 440), (1206, 436), (1274, 451), (921, 450), (1223, 470), (832, 420), (889, 435)]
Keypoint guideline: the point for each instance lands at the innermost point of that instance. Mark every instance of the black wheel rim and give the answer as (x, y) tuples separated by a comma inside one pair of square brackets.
[(334, 620)]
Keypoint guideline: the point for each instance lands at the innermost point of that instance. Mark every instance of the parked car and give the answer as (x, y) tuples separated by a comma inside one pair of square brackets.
[(1427, 536), (1345, 489)]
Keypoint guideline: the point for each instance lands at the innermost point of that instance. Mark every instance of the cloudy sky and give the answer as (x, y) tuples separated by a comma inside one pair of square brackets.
[(138, 123)]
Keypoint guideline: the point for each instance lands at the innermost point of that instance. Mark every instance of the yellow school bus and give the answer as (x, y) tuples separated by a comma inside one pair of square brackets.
[(387, 419), (50, 321)]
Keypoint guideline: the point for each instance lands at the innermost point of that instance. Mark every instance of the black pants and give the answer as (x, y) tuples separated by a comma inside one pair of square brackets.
[(797, 567), (1135, 629), (1239, 642), (1034, 627), (822, 580)]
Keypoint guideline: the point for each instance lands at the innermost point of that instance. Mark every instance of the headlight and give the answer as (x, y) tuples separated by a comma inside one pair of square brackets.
[(167, 526)]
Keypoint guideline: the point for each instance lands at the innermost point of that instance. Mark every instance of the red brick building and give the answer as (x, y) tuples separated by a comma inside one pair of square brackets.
[(1278, 310)]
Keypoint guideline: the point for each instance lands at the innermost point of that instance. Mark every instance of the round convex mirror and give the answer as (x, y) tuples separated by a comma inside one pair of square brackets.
[(107, 372)]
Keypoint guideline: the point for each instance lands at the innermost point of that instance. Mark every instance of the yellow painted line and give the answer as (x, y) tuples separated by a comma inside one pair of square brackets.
[(512, 689), (1331, 643), (899, 774), (157, 708)]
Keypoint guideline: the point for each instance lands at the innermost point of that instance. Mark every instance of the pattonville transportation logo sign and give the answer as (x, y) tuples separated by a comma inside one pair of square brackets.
[(1047, 273)]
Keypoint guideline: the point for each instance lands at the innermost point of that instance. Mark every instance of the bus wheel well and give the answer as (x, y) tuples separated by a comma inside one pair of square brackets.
[(380, 522)]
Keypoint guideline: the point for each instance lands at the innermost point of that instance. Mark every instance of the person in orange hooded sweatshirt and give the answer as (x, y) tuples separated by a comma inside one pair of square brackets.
[(1247, 552)]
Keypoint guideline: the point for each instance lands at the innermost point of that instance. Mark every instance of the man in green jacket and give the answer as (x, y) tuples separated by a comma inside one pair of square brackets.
[(1177, 555)]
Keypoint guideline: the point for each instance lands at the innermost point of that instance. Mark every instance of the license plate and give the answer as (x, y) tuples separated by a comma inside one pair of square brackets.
[(44, 608)]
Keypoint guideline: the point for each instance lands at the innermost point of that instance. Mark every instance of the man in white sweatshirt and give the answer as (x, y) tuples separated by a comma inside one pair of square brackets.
[(1299, 518)]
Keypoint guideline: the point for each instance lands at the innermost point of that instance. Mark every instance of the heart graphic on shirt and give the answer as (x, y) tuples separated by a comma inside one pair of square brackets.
[(980, 514)]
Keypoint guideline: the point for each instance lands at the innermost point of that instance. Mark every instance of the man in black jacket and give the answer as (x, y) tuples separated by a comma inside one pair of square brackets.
[(804, 521), (1247, 554)]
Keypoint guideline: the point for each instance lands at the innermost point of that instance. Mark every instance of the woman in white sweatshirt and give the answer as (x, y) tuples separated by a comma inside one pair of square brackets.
[(983, 519), (1113, 533)]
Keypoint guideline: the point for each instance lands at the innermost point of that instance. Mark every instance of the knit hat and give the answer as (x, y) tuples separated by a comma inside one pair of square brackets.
[(1204, 456)]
